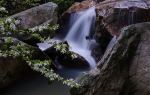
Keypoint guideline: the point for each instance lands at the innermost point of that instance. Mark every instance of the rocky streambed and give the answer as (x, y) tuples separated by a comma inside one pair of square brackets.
[(122, 52)]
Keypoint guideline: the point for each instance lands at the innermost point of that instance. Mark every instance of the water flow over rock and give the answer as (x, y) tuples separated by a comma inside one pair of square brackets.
[(79, 36)]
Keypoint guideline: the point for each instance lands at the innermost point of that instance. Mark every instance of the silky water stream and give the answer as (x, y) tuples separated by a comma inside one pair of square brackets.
[(79, 38)]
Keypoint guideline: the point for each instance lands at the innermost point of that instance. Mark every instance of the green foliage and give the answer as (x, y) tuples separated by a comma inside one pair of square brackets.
[(10, 47), (64, 49), (3, 12), (14, 6), (43, 67), (21, 50), (8, 28), (10, 33), (43, 32)]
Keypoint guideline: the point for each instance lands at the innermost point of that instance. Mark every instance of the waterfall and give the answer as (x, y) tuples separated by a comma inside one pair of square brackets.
[(79, 36), (81, 28)]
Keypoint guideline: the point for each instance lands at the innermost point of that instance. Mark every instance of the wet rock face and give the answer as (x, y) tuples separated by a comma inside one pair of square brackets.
[(37, 15)]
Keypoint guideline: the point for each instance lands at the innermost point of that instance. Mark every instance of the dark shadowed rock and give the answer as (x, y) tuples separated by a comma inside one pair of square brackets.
[(13, 68)]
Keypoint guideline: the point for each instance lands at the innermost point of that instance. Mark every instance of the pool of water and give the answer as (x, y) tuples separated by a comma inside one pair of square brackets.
[(37, 85)]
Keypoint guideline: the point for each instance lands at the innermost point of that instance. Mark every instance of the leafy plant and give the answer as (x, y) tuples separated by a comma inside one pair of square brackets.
[(8, 28), (21, 50), (3, 12), (10, 47), (64, 49), (14, 6), (10, 33)]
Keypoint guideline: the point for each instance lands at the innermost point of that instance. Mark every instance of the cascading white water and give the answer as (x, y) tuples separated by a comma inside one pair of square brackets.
[(79, 33), (81, 24)]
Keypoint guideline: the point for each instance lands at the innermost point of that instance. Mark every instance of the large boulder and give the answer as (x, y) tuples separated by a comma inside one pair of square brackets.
[(116, 70), (139, 75), (112, 15), (37, 15), (40, 20), (116, 14)]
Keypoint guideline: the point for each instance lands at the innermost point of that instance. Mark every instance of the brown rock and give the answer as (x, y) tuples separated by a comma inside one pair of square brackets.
[(116, 14), (81, 6)]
